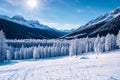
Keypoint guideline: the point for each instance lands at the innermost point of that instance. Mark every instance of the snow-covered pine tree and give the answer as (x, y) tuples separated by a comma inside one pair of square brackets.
[(52, 51), (39, 51), (8, 55), (42, 52), (87, 45), (79, 46), (118, 39), (3, 46), (62, 51), (25, 53), (35, 53), (66, 50), (97, 44), (21, 52), (49, 54), (45, 52), (102, 40), (83, 44), (113, 42), (108, 42), (71, 50), (16, 54), (91, 44)]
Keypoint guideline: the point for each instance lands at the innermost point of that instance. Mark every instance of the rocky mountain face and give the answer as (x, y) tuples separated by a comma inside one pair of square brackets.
[(20, 28), (108, 23)]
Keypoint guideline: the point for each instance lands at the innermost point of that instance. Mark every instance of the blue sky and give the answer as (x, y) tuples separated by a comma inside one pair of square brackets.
[(60, 14)]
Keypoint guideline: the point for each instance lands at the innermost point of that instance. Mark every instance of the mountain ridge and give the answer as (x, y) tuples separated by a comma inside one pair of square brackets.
[(30, 29), (93, 25)]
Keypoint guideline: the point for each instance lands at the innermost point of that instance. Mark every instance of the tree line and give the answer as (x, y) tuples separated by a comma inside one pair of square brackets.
[(36, 49)]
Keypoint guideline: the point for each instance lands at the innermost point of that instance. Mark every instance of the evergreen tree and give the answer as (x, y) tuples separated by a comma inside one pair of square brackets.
[(102, 40), (113, 42), (108, 42), (16, 55), (118, 39), (71, 50), (3, 46), (35, 53), (8, 55), (87, 45), (97, 44)]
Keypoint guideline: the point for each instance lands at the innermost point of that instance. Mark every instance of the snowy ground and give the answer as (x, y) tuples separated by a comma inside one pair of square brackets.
[(105, 67)]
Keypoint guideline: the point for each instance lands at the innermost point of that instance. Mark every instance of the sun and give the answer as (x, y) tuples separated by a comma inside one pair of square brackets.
[(32, 3)]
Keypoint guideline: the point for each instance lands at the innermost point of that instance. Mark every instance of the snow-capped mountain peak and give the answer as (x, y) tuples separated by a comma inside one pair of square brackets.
[(116, 11), (18, 18), (29, 23), (34, 22), (104, 18), (4, 17)]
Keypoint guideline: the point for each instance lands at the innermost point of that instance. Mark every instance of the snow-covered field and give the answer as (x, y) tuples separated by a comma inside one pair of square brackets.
[(105, 67)]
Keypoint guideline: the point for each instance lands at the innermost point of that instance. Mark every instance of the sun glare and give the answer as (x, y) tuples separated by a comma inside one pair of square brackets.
[(32, 3)]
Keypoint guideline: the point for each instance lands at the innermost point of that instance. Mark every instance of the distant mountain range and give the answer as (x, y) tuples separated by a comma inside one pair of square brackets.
[(108, 23), (20, 28)]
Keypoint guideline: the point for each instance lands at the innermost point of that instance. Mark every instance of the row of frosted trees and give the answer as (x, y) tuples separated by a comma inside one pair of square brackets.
[(98, 44), (38, 52), (36, 49), (39, 49)]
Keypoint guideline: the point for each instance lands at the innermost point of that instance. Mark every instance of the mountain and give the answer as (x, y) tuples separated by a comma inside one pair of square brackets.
[(68, 30), (64, 31), (102, 25), (20, 28)]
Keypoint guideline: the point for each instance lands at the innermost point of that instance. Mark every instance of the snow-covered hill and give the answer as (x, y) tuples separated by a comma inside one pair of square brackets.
[(29, 23), (108, 23), (27, 28), (104, 18), (86, 67)]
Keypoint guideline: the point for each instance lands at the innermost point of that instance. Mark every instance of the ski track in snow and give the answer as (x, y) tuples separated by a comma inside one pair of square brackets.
[(105, 67)]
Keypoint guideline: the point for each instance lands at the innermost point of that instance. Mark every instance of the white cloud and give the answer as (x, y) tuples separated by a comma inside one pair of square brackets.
[(51, 24), (61, 26), (71, 26)]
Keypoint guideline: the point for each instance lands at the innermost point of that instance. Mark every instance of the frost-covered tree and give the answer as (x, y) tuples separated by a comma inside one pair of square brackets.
[(108, 42), (113, 42), (45, 51), (66, 50), (83, 45), (91, 44), (35, 53), (71, 50), (97, 44), (102, 40), (25, 53), (8, 55), (42, 52), (21, 52), (3, 46), (86, 45), (118, 39), (16, 55), (79, 50), (62, 51), (49, 51)]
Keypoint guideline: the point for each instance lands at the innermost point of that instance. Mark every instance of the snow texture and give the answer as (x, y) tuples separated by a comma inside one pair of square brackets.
[(86, 67)]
